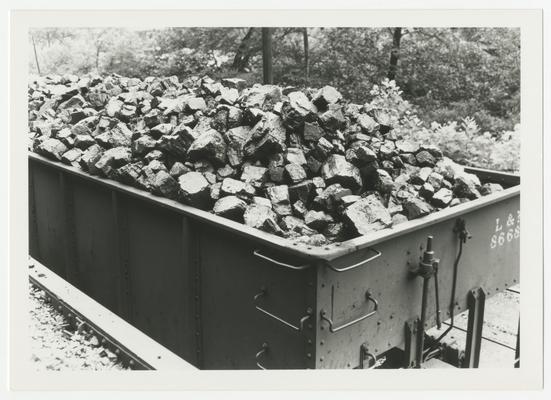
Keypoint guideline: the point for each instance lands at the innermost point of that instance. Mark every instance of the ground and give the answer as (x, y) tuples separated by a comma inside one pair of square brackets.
[(499, 333), (56, 348)]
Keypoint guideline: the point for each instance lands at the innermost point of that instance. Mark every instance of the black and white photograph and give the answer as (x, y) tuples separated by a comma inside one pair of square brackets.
[(268, 197)]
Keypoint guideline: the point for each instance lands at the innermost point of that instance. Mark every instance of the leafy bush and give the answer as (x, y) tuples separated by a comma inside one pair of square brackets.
[(461, 141)]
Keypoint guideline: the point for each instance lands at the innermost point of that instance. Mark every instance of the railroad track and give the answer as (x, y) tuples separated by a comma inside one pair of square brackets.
[(134, 349), (499, 340)]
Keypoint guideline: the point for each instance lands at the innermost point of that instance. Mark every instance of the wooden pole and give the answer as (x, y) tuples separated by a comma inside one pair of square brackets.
[(35, 56), (267, 55)]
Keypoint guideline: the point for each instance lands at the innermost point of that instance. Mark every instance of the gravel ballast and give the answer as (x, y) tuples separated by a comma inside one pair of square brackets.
[(56, 347)]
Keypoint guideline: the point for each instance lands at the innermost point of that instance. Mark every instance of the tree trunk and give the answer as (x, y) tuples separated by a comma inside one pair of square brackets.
[(395, 53), (242, 55), (267, 55), (306, 56), (98, 49), (36, 56)]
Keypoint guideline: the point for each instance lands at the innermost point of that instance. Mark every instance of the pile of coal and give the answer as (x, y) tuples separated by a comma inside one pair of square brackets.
[(303, 164)]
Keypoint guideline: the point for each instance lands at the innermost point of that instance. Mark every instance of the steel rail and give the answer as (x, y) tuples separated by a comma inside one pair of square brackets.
[(483, 337)]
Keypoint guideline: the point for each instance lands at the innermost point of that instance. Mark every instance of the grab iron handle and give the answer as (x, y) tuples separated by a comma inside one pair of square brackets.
[(302, 320), (281, 264), (305, 266), (260, 353), (377, 255), (334, 329)]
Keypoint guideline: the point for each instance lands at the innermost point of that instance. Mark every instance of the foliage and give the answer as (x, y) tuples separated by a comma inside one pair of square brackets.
[(466, 145), (352, 59), (445, 74), (454, 73), (461, 141)]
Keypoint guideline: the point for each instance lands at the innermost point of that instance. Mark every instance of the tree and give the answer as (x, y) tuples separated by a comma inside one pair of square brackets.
[(244, 51), (306, 56), (267, 56), (35, 55), (99, 43), (394, 53)]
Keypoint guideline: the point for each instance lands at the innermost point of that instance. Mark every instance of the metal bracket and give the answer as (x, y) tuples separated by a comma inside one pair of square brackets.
[(411, 341), (263, 350), (334, 329), (460, 228), (366, 354), (475, 301), (302, 320), (377, 254)]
